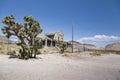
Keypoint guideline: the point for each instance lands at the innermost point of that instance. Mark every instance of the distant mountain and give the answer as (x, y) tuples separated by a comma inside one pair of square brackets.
[(113, 46)]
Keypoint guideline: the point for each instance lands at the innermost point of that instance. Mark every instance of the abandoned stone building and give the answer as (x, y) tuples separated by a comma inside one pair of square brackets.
[(50, 39)]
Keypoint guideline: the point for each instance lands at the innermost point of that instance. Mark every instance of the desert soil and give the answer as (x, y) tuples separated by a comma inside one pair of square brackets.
[(58, 67)]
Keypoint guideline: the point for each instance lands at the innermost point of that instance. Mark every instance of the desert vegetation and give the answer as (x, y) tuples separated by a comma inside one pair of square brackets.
[(100, 52), (61, 45), (9, 48), (96, 53), (25, 32), (29, 45)]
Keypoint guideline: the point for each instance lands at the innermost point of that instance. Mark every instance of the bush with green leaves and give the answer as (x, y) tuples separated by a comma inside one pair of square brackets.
[(62, 46)]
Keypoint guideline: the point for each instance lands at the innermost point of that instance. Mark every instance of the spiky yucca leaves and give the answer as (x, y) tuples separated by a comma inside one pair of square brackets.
[(26, 33)]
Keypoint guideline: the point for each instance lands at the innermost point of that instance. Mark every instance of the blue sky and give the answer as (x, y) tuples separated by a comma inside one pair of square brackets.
[(91, 18)]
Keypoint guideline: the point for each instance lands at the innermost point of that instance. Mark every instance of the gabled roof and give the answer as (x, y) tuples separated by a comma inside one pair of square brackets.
[(53, 33), (40, 36), (50, 33)]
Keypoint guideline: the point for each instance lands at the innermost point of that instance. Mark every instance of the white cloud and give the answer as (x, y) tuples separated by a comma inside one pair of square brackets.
[(99, 39), (13, 38)]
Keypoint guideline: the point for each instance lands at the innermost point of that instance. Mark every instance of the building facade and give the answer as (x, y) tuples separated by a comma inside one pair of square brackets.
[(50, 39)]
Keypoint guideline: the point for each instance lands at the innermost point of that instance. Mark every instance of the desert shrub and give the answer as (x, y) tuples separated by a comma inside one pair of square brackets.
[(38, 52), (66, 51), (117, 52), (61, 45), (96, 53), (105, 52), (110, 52), (0, 48), (66, 54), (11, 52), (2, 52), (44, 51), (1, 43)]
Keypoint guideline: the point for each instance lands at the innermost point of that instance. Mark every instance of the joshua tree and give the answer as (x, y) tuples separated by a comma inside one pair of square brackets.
[(26, 34)]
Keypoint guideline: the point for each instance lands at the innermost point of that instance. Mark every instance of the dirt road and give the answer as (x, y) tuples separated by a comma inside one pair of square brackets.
[(57, 67)]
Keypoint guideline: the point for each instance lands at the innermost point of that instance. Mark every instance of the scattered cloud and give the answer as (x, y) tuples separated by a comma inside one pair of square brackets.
[(99, 39)]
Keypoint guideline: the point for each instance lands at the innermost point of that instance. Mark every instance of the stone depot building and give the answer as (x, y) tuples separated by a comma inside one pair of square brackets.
[(50, 39)]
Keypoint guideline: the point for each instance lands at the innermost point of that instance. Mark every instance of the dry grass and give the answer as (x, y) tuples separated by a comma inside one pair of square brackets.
[(48, 50), (99, 52), (8, 49), (66, 54), (111, 52), (96, 53), (68, 50)]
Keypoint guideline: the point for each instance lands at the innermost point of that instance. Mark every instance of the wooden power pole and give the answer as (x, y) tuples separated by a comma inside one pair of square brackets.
[(72, 35)]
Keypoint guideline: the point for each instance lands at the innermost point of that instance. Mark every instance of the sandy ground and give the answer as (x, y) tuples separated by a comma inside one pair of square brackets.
[(57, 67)]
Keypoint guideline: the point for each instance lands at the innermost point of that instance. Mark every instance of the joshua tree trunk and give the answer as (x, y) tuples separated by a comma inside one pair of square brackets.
[(22, 53), (35, 55)]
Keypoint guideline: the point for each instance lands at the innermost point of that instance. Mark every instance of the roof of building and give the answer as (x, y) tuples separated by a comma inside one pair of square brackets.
[(50, 33), (43, 37), (53, 33)]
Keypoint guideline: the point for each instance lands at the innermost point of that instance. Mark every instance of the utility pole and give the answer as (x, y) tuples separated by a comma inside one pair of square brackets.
[(8, 46), (83, 45), (72, 35)]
